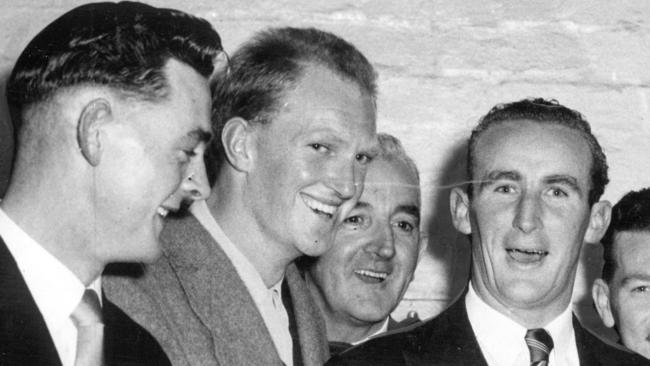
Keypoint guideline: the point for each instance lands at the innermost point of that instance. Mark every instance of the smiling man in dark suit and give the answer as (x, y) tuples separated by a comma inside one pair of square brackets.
[(536, 175), (296, 117), (111, 106)]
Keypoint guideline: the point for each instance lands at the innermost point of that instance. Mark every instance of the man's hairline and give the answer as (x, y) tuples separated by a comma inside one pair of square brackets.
[(473, 160)]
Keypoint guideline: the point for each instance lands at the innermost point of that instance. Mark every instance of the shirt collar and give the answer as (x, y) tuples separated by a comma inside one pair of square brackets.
[(503, 338), (54, 287)]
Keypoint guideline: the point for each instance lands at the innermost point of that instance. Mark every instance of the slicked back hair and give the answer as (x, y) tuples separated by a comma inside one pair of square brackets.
[(631, 213), (270, 64), (119, 45), (544, 112)]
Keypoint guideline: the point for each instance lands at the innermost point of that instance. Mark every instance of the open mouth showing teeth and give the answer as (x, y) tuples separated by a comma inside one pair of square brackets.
[(319, 207), (163, 211), (526, 256), (371, 276)]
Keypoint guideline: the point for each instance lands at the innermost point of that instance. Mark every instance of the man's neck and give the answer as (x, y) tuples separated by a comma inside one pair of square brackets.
[(530, 317), (269, 258), (62, 234)]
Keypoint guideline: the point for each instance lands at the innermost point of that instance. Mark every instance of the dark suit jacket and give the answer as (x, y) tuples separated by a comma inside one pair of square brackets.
[(25, 339), (449, 340), (393, 326), (193, 301)]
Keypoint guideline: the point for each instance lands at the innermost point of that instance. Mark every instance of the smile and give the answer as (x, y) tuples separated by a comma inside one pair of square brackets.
[(318, 206), (527, 256), (371, 276)]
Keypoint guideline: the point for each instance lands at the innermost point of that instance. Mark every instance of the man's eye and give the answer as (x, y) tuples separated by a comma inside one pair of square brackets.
[(190, 153), (405, 226), (353, 220), (641, 289), (363, 159), (557, 192), (505, 189), (319, 147)]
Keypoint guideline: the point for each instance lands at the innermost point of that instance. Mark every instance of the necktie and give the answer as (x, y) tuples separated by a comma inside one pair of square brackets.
[(87, 317), (540, 345)]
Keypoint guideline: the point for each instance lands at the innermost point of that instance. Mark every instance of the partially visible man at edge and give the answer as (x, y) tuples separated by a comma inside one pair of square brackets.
[(296, 118), (361, 279), (622, 295), (536, 176), (111, 106)]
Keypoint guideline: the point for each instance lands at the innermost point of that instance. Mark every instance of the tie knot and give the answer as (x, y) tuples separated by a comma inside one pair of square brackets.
[(540, 345), (89, 311)]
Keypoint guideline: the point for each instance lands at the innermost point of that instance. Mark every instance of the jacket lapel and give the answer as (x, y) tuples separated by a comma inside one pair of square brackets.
[(24, 336), (309, 323), (448, 340), (218, 296)]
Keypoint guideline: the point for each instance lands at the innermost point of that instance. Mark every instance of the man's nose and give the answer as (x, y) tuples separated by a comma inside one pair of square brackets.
[(195, 186), (346, 180), (527, 217), (383, 242)]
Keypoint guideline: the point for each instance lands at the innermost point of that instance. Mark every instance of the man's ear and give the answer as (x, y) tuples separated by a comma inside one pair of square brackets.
[(460, 210), (237, 138), (600, 293), (93, 115), (600, 215)]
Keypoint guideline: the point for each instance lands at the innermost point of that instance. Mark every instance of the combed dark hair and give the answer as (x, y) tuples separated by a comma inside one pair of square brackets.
[(550, 112), (121, 45), (270, 64), (631, 213)]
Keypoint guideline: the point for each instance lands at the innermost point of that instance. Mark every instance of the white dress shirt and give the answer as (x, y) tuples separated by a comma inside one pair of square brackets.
[(502, 339), (55, 289), (267, 300)]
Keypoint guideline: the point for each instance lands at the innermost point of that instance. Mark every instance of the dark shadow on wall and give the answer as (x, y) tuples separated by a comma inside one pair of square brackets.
[(6, 136), (446, 245)]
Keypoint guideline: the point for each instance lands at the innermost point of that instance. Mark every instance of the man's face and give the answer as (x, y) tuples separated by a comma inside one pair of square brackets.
[(362, 278), (629, 290), (529, 215), (152, 161), (310, 160)]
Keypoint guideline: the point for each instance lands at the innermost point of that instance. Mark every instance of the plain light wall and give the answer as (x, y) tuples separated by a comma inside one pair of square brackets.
[(442, 64)]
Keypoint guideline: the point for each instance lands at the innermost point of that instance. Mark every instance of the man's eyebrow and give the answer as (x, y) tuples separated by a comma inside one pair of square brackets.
[(635, 276), (566, 180), (200, 135), (493, 175), (362, 204), (412, 210)]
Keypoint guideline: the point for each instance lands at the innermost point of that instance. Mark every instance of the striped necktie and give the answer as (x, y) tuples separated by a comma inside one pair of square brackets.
[(540, 345)]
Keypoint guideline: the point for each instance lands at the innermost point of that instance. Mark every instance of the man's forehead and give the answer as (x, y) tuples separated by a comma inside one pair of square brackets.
[(534, 146)]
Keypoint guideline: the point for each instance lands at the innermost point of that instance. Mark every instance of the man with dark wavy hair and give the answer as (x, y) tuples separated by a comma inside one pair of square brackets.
[(622, 295), (537, 174), (111, 106), (296, 117)]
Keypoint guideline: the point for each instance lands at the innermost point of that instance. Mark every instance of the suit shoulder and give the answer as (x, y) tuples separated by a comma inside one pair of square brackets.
[(387, 349), (606, 353)]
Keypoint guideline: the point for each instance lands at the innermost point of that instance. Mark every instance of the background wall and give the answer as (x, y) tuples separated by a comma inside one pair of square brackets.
[(443, 64)]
